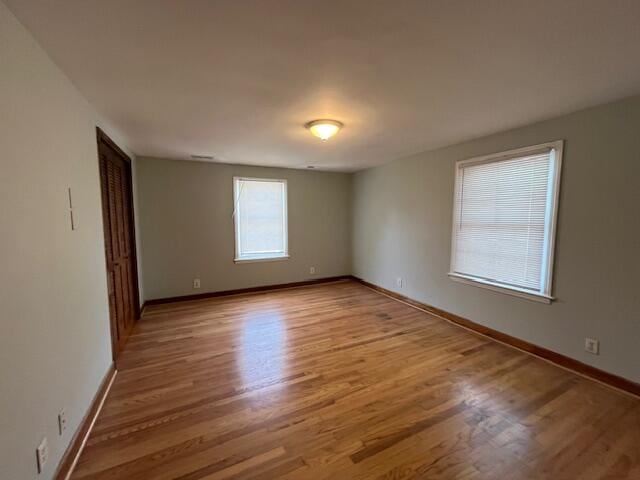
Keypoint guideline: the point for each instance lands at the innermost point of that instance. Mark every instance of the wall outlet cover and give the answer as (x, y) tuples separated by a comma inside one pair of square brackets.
[(196, 283), (592, 345), (62, 421), (399, 282), (312, 270), (42, 454)]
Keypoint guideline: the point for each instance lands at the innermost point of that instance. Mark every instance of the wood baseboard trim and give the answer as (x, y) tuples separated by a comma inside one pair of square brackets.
[(582, 369), (72, 454), (242, 291)]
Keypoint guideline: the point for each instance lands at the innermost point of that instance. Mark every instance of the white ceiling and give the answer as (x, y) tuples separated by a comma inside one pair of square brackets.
[(237, 79)]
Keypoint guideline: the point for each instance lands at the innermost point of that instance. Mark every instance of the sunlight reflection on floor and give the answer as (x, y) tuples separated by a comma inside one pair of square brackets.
[(261, 355)]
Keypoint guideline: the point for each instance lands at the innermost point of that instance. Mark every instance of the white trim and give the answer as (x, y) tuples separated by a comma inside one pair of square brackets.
[(496, 287), (553, 212), (277, 258), (556, 147), (236, 206), (515, 153)]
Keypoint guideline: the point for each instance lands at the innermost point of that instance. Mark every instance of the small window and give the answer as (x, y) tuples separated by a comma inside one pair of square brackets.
[(504, 220), (260, 216)]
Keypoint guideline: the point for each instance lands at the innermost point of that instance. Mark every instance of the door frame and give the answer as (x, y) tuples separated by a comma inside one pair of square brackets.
[(104, 140)]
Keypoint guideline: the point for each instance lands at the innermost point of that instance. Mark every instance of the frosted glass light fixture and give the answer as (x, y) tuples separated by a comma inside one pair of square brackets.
[(324, 129)]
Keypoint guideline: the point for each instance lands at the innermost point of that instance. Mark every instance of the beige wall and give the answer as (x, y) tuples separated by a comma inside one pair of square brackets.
[(402, 228), (187, 229), (54, 326)]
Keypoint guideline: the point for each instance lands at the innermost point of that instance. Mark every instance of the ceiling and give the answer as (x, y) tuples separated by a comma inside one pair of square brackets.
[(237, 79)]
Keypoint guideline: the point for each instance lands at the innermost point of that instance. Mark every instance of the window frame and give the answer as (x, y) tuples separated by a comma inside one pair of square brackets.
[(236, 209), (551, 221)]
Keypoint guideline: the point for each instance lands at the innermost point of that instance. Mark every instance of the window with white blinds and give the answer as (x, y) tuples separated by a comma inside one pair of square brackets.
[(260, 215), (504, 220)]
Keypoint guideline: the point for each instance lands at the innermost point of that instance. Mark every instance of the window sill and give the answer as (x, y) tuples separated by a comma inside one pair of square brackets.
[(514, 291), (261, 259)]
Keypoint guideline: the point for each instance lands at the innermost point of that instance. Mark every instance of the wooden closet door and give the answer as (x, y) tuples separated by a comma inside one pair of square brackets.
[(117, 208)]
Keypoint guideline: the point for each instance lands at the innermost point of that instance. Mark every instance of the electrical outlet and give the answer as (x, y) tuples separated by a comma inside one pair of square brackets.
[(196, 283), (312, 270), (592, 345), (399, 282), (62, 421), (42, 454)]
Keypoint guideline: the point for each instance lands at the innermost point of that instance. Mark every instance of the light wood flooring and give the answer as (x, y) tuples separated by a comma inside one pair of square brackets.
[(336, 381)]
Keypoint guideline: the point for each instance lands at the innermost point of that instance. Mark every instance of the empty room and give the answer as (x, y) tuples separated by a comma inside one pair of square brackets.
[(339, 240)]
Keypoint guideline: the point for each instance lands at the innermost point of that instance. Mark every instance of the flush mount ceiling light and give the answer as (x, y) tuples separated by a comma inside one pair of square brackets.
[(324, 129)]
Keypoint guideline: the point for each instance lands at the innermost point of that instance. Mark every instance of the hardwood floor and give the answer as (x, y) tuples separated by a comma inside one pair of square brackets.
[(339, 382)]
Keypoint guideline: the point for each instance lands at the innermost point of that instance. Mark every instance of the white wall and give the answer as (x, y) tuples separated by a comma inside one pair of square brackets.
[(402, 228), (188, 232), (54, 330)]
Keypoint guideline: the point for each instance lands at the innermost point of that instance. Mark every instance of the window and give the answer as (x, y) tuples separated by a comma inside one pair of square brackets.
[(504, 220), (260, 216)]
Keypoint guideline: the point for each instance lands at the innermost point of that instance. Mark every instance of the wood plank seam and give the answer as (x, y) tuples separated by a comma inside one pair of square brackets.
[(245, 291), (620, 384), (340, 381)]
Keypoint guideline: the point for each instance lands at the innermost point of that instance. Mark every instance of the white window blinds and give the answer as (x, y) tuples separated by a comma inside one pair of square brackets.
[(260, 218), (504, 219)]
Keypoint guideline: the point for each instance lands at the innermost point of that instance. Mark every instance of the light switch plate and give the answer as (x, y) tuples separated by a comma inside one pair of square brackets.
[(73, 221), (74, 225)]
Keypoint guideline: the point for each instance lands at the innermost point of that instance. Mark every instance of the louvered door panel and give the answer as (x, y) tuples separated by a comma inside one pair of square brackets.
[(115, 175)]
